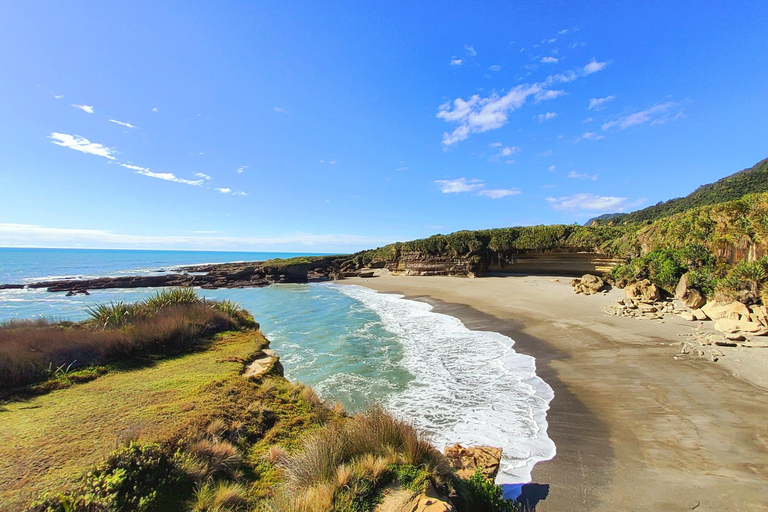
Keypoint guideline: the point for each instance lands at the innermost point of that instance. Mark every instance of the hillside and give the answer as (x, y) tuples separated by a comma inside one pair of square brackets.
[(730, 188)]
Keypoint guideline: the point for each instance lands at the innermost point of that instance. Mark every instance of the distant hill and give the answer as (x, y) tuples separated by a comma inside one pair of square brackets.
[(729, 188)]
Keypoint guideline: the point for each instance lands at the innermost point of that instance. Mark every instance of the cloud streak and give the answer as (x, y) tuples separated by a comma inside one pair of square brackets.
[(463, 185), (168, 176), (127, 125), (85, 108), (587, 202), (657, 114), (81, 144), (599, 103)]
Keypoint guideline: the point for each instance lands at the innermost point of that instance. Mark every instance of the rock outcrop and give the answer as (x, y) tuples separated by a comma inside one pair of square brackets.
[(467, 460), (267, 361), (403, 500), (643, 290), (588, 284), (692, 297)]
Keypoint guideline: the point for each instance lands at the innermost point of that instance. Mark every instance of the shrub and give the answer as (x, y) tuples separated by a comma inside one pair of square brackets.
[(486, 496)]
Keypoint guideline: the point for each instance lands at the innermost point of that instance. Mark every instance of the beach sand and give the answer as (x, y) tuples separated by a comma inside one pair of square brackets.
[(637, 425)]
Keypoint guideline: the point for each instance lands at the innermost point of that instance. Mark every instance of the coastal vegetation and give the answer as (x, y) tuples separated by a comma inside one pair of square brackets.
[(160, 417), (717, 236)]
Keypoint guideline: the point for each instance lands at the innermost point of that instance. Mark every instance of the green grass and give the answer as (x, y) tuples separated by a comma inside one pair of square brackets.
[(49, 441)]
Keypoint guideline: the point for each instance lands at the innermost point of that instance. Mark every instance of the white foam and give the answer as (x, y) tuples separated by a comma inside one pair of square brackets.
[(469, 387)]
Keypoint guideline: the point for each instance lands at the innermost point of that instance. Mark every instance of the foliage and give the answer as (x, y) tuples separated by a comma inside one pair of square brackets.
[(730, 188), (486, 496)]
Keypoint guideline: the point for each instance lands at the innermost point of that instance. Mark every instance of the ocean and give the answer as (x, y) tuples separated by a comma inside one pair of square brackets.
[(351, 344)]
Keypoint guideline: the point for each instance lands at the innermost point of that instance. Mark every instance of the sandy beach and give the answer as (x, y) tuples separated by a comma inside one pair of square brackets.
[(637, 425)]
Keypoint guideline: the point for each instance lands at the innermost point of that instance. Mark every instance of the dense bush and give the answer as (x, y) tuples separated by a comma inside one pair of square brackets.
[(665, 267)]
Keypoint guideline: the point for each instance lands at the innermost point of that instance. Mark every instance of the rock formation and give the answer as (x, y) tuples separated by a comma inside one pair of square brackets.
[(467, 460), (588, 284), (643, 290)]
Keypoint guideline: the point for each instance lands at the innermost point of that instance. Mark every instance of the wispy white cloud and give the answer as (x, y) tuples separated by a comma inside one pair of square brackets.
[(545, 116), (134, 167), (127, 125), (58, 96), (505, 152), (583, 175), (591, 202), (470, 50), (657, 114), (331, 162), (563, 32), (81, 144), (551, 168), (29, 235), (241, 169), (599, 103), (84, 108), (401, 169), (459, 185), (168, 176), (224, 190), (549, 60), (280, 110), (498, 193), (202, 175), (480, 114), (591, 136), (495, 67), (549, 94), (594, 67), (155, 109), (239, 194), (546, 153), (463, 185), (455, 61)]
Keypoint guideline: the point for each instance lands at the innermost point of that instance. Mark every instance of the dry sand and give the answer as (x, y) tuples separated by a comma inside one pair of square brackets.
[(637, 425)]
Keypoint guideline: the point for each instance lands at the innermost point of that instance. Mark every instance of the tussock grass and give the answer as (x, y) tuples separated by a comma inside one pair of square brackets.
[(220, 497), (345, 465), (171, 321)]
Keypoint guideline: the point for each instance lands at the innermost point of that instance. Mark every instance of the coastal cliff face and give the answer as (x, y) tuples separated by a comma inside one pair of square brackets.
[(556, 262)]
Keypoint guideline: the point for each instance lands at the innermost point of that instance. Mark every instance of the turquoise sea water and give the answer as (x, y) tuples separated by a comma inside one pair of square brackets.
[(355, 346)]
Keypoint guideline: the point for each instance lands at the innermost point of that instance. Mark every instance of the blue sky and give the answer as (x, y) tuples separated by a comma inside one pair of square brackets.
[(331, 127)]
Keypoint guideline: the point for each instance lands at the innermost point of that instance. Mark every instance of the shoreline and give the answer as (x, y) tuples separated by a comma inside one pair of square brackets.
[(635, 426)]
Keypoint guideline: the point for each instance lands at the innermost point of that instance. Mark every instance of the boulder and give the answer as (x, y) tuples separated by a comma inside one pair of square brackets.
[(588, 284), (682, 287), (467, 460), (643, 290), (694, 299), (718, 310), (266, 361), (403, 500), (700, 315), (685, 315), (728, 325)]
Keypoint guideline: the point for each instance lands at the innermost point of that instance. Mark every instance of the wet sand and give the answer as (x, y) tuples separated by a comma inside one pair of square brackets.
[(637, 425)]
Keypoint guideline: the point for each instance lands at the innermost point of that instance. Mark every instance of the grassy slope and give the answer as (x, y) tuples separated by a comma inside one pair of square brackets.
[(47, 441), (730, 188)]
